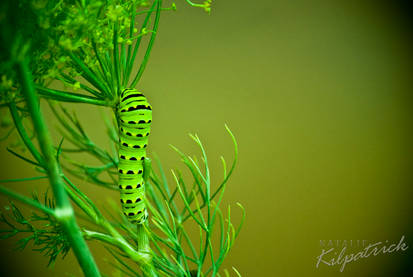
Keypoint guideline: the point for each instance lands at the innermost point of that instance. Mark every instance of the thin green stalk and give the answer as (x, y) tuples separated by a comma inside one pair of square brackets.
[(88, 74), (150, 45), (23, 179), (70, 97), (68, 79), (143, 246), (116, 57), (234, 163), (20, 128), (22, 157), (97, 72), (64, 212), (100, 236), (137, 43), (127, 61), (122, 62), (172, 8), (111, 70), (26, 200), (103, 68), (87, 208)]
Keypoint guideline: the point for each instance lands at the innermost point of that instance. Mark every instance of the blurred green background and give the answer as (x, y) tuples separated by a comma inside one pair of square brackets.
[(318, 94)]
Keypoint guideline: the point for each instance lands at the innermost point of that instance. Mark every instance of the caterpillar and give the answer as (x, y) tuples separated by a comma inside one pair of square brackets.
[(135, 116)]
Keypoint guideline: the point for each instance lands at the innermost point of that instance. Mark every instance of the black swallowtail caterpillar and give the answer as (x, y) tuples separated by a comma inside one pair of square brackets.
[(135, 117)]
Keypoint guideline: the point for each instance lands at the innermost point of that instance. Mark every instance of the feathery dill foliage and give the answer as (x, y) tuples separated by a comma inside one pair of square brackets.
[(86, 45), (41, 229), (92, 48)]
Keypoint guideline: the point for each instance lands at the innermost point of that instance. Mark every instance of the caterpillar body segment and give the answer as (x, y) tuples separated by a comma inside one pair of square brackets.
[(135, 117)]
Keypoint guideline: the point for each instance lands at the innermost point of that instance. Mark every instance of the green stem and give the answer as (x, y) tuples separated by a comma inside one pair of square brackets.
[(88, 74), (144, 247), (26, 200), (150, 45), (64, 78), (70, 96), (102, 237), (116, 57), (137, 44), (22, 132), (64, 212), (127, 61), (103, 68)]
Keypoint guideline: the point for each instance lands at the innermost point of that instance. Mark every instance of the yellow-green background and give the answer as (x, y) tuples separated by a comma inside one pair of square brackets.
[(318, 94)]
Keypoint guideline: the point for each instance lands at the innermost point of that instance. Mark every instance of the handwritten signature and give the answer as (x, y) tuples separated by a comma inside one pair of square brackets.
[(330, 258)]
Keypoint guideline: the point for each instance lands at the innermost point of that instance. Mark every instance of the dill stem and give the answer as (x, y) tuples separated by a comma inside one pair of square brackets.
[(64, 212), (144, 247)]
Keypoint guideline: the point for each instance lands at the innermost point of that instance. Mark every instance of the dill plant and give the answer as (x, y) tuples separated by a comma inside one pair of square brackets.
[(91, 48)]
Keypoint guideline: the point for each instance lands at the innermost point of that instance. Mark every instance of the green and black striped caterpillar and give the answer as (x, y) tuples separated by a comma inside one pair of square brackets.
[(135, 116)]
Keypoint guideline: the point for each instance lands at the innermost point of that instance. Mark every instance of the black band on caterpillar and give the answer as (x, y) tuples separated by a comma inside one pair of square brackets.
[(135, 117)]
